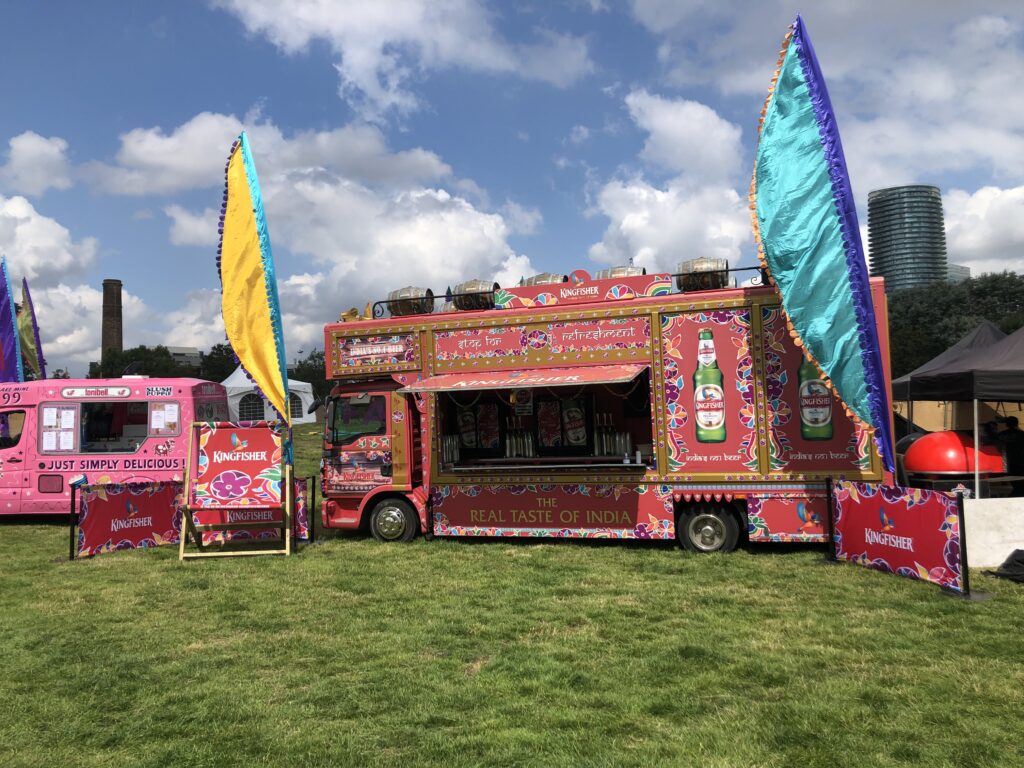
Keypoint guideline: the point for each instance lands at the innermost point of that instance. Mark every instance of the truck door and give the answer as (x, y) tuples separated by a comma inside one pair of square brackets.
[(358, 439), (13, 476)]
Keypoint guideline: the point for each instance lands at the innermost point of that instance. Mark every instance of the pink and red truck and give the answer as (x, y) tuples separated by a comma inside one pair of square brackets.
[(612, 407), (109, 430)]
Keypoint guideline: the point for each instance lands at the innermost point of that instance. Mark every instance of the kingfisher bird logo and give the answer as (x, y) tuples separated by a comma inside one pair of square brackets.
[(808, 520), (888, 523), (238, 445)]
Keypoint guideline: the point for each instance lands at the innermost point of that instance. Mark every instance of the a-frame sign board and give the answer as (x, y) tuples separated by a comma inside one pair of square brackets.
[(237, 480)]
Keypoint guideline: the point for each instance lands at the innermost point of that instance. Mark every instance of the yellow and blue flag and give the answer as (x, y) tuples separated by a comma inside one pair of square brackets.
[(249, 301), (805, 224)]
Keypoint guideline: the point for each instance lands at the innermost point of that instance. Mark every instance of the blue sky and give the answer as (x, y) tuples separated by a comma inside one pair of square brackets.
[(425, 142)]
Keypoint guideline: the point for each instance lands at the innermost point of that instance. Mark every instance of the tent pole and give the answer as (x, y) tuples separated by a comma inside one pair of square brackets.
[(977, 463)]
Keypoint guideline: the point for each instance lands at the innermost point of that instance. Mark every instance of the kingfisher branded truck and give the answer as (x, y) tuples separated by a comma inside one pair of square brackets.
[(607, 408), (133, 429)]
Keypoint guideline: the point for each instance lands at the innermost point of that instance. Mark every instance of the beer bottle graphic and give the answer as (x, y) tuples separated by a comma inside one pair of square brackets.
[(708, 396), (815, 404)]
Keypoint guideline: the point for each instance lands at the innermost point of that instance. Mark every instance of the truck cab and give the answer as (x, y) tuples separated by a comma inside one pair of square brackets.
[(371, 461)]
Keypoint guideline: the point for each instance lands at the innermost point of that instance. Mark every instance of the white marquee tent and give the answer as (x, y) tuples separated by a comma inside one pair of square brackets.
[(246, 404)]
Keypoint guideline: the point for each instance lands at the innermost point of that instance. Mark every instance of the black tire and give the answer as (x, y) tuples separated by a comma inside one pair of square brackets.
[(708, 528), (393, 519)]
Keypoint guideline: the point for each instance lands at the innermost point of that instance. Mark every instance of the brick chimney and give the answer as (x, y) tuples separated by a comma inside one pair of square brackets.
[(110, 337)]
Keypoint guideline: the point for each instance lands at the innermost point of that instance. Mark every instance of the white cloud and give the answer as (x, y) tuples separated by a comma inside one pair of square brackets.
[(985, 230), (192, 156), (152, 162), (366, 243), (36, 164), (382, 47), (658, 228), (910, 108), (182, 327), (557, 59), (521, 220), (579, 134), (513, 269), (188, 228), (38, 246), (696, 212), (686, 137)]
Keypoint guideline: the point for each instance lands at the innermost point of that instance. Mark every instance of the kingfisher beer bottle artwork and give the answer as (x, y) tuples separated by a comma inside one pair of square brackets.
[(815, 404), (575, 423), (708, 396)]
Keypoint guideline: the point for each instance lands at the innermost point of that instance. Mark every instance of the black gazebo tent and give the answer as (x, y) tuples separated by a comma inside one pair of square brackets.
[(985, 335), (990, 373)]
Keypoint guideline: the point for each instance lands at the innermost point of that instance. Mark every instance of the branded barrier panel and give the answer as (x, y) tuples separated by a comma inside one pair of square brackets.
[(127, 516), (237, 482), (117, 516), (906, 531), (300, 523)]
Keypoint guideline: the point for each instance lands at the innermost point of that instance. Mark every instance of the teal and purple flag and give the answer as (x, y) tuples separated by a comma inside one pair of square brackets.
[(10, 347), (805, 224)]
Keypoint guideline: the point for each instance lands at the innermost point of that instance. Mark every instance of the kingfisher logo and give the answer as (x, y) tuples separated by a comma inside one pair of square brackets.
[(131, 522), (886, 539), (237, 455), (578, 293)]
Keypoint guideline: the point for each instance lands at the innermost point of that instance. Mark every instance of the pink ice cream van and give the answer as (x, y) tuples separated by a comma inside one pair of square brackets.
[(133, 429)]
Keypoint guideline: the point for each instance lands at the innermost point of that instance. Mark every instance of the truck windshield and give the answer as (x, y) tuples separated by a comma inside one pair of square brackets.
[(357, 416)]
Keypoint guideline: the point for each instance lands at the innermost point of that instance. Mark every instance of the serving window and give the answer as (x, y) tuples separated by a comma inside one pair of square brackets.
[(117, 426), (591, 425), (12, 423)]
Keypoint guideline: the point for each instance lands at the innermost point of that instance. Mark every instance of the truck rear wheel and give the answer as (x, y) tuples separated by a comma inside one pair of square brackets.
[(393, 520), (708, 528)]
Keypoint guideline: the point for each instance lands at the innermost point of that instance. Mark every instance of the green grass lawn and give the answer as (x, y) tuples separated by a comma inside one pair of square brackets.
[(497, 653)]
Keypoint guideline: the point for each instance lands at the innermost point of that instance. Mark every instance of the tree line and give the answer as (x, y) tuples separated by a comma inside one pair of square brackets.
[(927, 320), (216, 365)]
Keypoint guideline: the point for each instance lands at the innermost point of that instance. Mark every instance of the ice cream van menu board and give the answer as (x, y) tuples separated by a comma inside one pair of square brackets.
[(163, 419), (58, 428)]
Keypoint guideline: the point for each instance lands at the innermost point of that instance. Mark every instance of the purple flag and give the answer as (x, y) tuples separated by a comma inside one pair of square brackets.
[(10, 348)]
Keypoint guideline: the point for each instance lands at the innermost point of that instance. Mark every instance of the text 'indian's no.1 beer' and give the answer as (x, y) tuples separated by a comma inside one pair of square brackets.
[(815, 404), (708, 396)]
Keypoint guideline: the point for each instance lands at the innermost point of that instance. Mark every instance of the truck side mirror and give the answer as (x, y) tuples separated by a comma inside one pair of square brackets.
[(317, 402)]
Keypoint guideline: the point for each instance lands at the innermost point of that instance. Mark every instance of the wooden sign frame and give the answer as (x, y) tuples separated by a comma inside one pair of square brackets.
[(236, 547)]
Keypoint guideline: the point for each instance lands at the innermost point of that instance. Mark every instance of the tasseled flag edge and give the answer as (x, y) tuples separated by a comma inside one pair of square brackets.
[(269, 274), (856, 267), (763, 259), (235, 147)]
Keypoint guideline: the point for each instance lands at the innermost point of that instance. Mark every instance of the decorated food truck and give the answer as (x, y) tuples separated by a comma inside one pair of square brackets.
[(109, 430), (621, 406)]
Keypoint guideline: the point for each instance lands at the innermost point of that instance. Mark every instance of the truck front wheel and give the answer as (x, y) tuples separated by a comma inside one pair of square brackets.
[(393, 520), (708, 528)]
